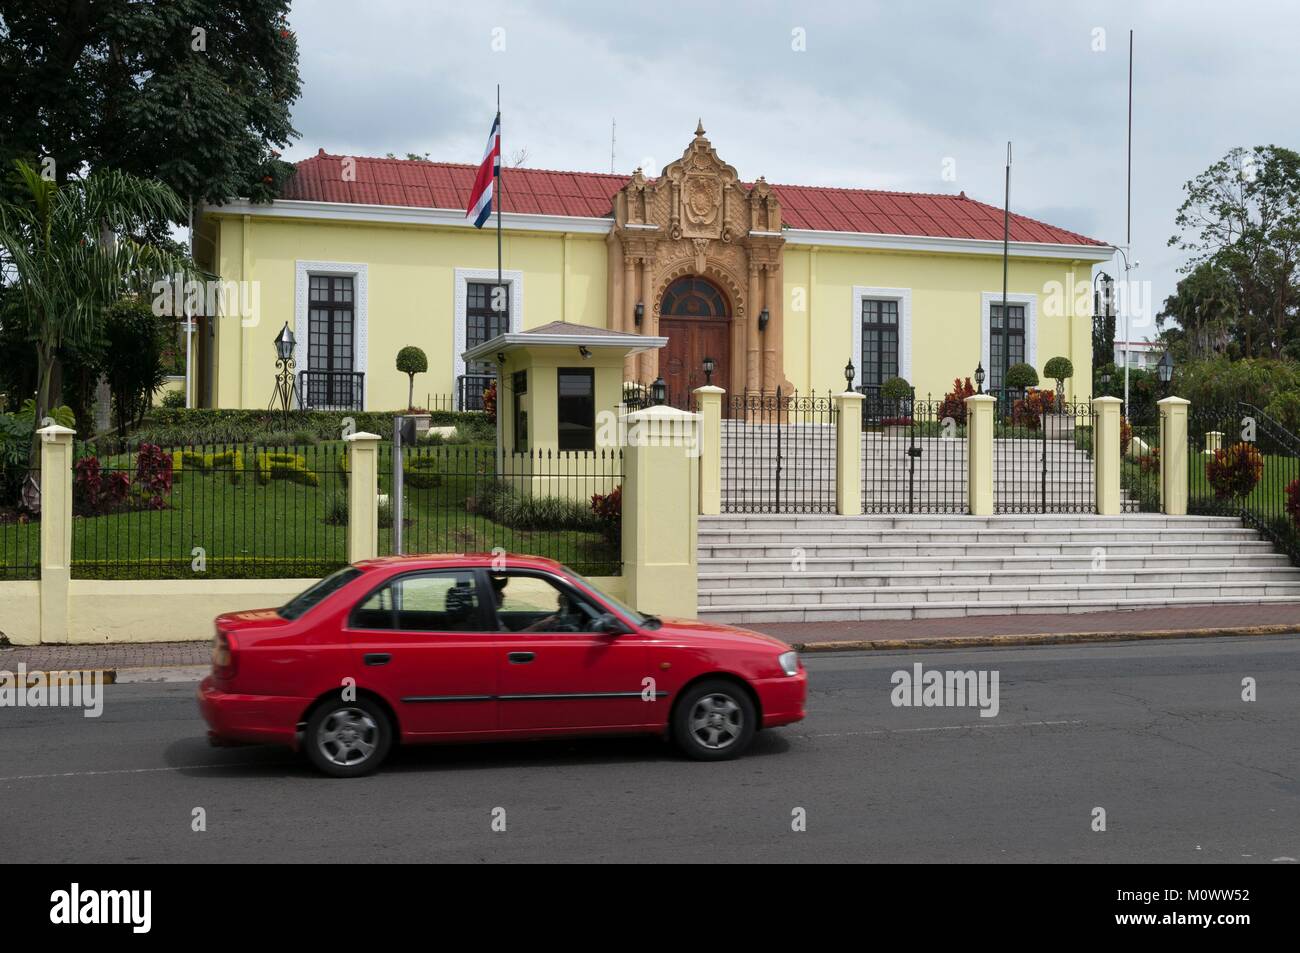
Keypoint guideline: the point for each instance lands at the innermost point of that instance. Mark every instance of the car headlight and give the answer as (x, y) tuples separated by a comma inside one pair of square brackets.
[(789, 662)]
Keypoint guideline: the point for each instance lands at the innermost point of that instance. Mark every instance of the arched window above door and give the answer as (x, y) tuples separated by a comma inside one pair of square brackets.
[(692, 297)]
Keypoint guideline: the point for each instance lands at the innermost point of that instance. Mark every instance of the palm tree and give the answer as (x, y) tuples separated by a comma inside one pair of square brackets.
[(68, 249)]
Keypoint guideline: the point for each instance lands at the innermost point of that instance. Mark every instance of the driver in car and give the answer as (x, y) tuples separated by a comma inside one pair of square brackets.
[(567, 617)]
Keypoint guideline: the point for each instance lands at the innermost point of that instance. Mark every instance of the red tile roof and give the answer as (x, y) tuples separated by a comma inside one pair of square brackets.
[(418, 184)]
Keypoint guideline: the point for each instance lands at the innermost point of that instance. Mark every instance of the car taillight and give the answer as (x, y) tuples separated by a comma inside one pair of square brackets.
[(223, 655)]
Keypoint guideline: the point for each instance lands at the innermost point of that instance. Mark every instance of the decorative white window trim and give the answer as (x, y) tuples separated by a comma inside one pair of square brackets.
[(1030, 301), (357, 271), (515, 279), (904, 298)]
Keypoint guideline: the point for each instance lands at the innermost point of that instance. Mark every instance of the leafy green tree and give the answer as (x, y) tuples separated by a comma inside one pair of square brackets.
[(1242, 216), (70, 252), (194, 93), (411, 361), (1207, 310), (134, 339)]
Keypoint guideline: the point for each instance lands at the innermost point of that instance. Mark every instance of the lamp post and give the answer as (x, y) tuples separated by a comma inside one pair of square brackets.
[(979, 378), (1166, 371), (708, 371), (638, 312), (284, 364), (658, 392), (849, 373)]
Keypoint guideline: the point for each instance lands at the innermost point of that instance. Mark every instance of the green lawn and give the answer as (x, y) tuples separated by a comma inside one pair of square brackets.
[(281, 528)]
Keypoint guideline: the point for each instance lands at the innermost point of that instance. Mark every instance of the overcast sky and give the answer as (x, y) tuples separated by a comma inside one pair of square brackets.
[(881, 95)]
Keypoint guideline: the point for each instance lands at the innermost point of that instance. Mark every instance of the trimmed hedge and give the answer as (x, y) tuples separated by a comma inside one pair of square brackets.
[(229, 460), (421, 472), (285, 466), (179, 426), (218, 567)]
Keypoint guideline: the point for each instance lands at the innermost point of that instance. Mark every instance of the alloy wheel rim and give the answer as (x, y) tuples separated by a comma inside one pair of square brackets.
[(717, 721), (347, 736)]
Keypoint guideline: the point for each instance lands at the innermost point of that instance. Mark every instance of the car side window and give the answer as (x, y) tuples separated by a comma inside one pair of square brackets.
[(528, 603), (445, 601)]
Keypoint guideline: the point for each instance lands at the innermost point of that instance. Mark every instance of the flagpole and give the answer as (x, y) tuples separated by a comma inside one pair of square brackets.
[(499, 197)]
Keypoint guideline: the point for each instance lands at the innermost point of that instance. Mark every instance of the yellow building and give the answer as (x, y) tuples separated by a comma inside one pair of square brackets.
[(780, 285)]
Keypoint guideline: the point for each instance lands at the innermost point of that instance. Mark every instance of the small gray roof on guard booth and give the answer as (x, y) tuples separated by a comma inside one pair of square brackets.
[(566, 334)]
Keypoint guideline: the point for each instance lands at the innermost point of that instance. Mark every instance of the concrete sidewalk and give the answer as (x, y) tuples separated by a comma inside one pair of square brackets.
[(1051, 628)]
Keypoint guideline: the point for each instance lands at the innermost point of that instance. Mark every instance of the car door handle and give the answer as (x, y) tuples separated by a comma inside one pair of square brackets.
[(377, 658), (520, 658)]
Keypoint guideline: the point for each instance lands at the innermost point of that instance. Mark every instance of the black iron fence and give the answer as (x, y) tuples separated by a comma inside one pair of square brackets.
[(332, 390), (914, 456), (216, 510), (20, 532), (1043, 458), (778, 454), (455, 499), (1242, 462), (1139, 469)]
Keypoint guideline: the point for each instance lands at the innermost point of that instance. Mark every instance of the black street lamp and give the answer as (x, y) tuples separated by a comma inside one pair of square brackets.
[(762, 320), (979, 378), (284, 364), (708, 370), (639, 312), (849, 373), (1166, 370), (658, 391)]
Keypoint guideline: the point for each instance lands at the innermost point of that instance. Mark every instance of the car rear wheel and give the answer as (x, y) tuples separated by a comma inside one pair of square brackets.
[(714, 720), (347, 739)]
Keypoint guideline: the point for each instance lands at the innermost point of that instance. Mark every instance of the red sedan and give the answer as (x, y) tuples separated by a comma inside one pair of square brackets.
[(468, 648)]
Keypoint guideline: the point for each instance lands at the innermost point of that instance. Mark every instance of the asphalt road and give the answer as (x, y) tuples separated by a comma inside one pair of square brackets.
[(1155, 733)]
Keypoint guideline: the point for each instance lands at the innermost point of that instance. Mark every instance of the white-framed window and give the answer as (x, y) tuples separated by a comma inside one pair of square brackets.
[(478, 320), (331, 332), (882, 335), (1021, 333)]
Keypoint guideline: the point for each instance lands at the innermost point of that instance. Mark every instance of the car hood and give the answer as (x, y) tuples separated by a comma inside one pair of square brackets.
[(692, 629)]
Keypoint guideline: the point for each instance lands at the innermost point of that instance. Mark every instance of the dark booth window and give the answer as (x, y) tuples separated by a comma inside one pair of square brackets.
[(577, 422)]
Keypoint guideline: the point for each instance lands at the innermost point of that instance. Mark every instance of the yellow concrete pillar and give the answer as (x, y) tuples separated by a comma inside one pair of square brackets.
[(1173, 456), (1106, 455), (661, 487), (708, 400), (363, 496), (979, 454), (1213, 442), (848, 453), (56, 530)]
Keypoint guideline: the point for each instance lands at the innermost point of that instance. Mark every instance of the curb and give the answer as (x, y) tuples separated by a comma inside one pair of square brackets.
[(1039, 638), (108, 675)]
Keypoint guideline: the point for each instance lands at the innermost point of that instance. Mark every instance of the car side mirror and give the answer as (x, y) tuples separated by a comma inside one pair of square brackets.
[(608, 624)]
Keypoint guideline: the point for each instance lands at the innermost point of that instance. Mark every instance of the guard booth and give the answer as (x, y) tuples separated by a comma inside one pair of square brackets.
[(559, 390)]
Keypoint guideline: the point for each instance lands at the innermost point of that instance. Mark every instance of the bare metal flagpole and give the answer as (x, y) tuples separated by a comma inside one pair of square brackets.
[(500, 199), (1006, 237), (1128, 224)]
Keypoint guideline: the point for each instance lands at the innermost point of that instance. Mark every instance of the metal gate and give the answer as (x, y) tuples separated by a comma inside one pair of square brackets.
[(778, 454), (914, 455), (1043, 460)]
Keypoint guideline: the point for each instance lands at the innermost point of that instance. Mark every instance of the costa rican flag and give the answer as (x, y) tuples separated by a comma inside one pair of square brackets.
[(480, 198)]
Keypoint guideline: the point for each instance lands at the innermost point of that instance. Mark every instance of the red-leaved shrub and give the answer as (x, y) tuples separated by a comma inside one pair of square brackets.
[(954, 402), (608, 508), (1234, 471)]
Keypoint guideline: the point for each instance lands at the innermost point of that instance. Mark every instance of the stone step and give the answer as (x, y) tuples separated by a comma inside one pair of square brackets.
[(987, 563), (713, 536), (769, 580), (1039, 592), (758, 614), (871, 523), (904, 549)]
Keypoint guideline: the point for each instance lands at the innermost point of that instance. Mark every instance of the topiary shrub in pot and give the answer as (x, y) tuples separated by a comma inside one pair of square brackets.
[(1058, 425), (896, 395)]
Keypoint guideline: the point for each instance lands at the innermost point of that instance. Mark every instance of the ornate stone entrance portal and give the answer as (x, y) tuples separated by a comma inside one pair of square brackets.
[(698, 238)]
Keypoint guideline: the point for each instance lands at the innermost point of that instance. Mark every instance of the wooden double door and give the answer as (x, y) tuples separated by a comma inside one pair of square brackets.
[(690, 341)]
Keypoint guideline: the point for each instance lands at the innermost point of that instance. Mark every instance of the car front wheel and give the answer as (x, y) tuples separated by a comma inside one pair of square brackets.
[(347, 739), (714, 720)]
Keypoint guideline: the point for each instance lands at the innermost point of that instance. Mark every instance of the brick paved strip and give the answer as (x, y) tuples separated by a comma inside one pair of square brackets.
[(1168, 622)]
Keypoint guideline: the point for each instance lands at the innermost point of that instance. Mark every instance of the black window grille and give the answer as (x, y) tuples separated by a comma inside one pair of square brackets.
[(487, 314), (1015, 339), (879, 343)]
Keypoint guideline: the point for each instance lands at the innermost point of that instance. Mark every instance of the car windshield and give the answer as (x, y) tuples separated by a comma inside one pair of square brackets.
[(313, 596), (636, 618)]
